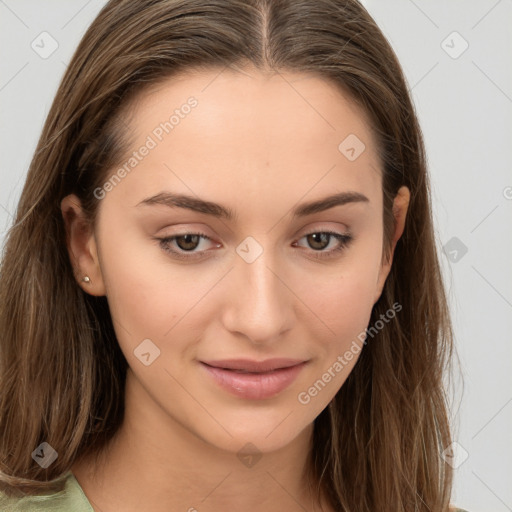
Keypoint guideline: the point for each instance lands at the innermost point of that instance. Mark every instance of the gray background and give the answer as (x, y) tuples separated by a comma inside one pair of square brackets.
[(464, 102)]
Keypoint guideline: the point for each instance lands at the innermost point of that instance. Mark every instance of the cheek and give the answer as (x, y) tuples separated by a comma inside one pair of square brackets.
[(149, 308), (344, 297), (343, 302), (345, 307), (145, 298)]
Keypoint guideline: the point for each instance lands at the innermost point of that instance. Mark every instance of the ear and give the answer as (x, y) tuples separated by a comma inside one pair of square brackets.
[(81, 245), (400, 207)]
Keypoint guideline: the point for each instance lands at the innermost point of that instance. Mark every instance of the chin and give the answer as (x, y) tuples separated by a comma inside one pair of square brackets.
[(264, 436)]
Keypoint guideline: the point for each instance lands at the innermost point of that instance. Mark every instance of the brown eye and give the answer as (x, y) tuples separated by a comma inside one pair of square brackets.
[(319, 240), (187, 242)]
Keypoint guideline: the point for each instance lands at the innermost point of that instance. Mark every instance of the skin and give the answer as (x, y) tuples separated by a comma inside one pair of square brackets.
[(258, 144)]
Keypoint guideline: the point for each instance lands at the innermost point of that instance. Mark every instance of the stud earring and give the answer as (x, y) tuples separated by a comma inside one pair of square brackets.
[(86, 279)]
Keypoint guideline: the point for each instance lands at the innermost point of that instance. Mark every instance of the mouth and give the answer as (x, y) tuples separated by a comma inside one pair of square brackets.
[(254, 380)]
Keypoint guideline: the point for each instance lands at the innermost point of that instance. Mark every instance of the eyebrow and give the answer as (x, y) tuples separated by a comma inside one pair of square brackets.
[(222, 212)]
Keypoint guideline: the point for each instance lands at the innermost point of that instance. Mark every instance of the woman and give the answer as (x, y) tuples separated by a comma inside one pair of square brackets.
[(222, 287)]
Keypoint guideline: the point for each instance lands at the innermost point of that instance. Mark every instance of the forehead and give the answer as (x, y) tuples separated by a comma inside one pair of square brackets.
[(281, 134), (285, 102)]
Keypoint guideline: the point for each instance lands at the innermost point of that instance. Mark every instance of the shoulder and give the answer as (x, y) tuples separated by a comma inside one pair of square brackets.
[(70, 499)]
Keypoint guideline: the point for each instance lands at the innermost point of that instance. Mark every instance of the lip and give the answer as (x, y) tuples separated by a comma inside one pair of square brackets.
[(265, 380), (254, 366)]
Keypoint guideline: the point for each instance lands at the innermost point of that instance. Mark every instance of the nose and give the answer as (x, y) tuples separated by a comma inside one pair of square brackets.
[(260, 306)]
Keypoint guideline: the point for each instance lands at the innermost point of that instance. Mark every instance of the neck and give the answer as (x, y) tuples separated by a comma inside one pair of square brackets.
[(156, 464)]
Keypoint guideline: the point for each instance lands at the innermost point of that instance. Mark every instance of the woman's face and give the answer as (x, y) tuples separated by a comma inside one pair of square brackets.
[(250, 274)]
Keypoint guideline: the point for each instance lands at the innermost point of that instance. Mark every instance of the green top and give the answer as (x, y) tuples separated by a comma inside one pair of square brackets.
[(71, 499)]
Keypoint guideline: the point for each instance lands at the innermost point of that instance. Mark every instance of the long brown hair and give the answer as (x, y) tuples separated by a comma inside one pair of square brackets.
[(377, 445)]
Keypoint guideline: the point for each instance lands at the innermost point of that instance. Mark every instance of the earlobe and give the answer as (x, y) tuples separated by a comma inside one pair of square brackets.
[(81, 245), (400, 208)]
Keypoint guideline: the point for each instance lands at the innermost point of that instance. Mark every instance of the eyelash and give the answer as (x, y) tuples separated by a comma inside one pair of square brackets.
[(343, 239)]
